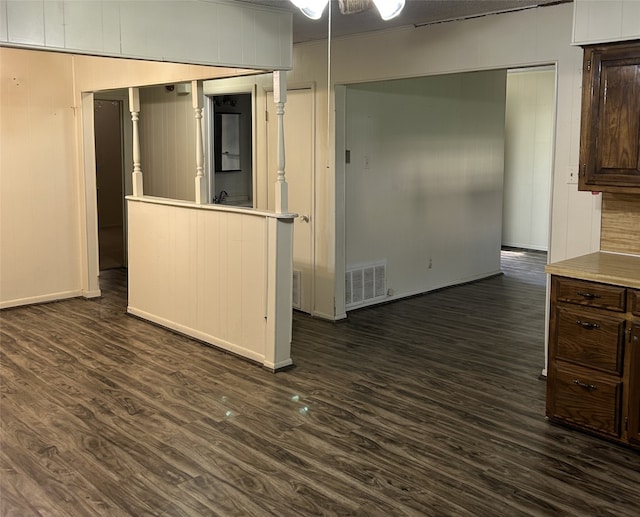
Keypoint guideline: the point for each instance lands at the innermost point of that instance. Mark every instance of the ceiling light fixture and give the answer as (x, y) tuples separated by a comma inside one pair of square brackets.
[(311, 8), (314, 8), (389, 8)]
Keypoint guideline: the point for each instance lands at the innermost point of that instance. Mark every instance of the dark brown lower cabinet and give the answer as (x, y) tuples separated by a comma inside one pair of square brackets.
[(633, 423), (593, 381)]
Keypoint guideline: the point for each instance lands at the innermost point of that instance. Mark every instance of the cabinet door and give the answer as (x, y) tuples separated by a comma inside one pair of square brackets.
[(634, 301), (610, 132), (633, 432), (585, 398)]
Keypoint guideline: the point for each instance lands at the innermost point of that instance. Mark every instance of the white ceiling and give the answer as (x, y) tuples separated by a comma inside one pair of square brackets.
[(415, 12)]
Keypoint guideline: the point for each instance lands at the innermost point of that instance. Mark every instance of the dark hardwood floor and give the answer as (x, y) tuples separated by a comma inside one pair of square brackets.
[(427, 406)]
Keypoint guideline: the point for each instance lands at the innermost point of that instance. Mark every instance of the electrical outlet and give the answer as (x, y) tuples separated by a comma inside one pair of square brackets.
[(430, 263), (366, 161)]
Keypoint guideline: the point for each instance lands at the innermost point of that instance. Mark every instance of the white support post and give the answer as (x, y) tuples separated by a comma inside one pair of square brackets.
[(134, 108), (280, 97), (279, 294), (197, 98)]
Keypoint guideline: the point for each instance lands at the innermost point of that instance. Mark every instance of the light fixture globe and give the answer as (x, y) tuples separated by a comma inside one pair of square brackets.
[(314, 8), (311, 8), (389, 8)]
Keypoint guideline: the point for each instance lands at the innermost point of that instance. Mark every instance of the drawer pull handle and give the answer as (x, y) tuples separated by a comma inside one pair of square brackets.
[(588, 296), (590, 387), (588, 325)]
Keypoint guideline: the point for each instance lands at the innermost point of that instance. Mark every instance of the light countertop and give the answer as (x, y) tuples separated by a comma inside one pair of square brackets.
[(608, 268)]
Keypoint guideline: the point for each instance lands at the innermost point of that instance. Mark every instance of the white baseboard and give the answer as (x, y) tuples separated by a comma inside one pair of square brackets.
[(202, 336), (326, 316), (279, 365), (437, 287), (525, 246), (31, 300), (97, 293)]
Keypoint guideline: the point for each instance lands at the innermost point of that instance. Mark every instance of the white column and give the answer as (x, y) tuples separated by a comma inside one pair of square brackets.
[(134, 108), (280, 97), (197, 98)]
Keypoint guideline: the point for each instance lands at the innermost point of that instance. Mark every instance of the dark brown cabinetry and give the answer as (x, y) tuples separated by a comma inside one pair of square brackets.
[(610, 130), (634, 386), (594, 359), (634, 302)]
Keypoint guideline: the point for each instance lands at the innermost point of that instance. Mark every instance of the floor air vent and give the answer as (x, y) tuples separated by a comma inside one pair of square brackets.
[(364, 284), (297, 287)]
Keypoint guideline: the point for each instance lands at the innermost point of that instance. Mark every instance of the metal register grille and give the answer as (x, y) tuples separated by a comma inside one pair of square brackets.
[(365, 284)]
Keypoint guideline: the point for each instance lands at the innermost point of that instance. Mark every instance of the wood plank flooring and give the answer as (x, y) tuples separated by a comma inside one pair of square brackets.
[(427, 406)]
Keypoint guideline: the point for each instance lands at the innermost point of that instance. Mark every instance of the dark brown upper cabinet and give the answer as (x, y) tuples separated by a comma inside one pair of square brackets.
[(610, 130)]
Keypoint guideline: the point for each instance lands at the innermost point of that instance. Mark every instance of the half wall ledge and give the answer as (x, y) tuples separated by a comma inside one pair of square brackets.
[(213, 207)]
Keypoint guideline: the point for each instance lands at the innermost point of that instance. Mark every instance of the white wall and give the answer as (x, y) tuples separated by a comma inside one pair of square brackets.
[(424, 186), (598, 21), (530, 111), (214, 32), (40, 253), (526, 38), (533, 37), (48, 213), (167, 143), (49, 246)]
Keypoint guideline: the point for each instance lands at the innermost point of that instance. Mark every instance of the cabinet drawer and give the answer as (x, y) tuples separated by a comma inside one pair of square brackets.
[(589, 294), (587, 399), (634, 301), (590, 338)]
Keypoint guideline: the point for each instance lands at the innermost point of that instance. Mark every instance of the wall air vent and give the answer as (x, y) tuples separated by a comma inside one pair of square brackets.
[(297, 289), (365, 284)]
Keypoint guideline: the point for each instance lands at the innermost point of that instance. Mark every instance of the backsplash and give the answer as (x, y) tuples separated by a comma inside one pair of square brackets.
[(620, 223)]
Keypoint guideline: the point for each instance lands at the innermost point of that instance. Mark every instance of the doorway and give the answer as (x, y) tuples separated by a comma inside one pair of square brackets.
[(299, 173), (110, 183), (425, 185), (528, 157), (230, 145)]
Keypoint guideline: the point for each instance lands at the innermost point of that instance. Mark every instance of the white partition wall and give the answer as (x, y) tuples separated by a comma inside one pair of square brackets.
[(218, 274)]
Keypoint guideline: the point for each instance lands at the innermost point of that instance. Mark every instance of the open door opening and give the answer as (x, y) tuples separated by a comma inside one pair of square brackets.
[(528, 157), (109, 183), (231, 149)]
